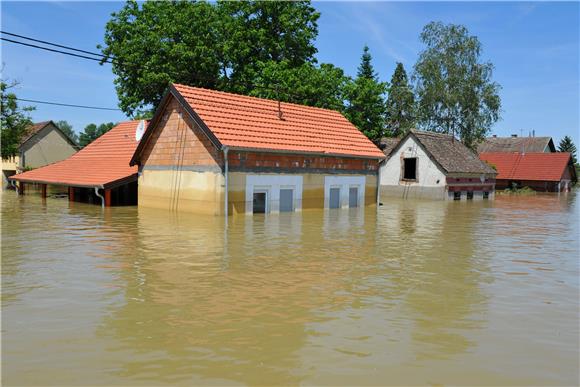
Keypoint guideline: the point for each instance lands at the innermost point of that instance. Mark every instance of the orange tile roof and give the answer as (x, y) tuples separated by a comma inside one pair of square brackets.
[(253, 123), (528, 166), (102, 163)]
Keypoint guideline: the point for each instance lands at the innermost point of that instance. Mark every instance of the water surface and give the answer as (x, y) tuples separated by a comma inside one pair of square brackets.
[(417, 292)]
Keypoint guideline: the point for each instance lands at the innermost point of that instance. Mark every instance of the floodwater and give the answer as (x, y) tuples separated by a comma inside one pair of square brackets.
[(419, 292)]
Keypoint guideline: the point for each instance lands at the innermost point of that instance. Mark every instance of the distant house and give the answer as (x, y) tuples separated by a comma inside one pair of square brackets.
[(43, 144), (550, 172), (213, 152), (99, 173), (430, 165), (517, 144)]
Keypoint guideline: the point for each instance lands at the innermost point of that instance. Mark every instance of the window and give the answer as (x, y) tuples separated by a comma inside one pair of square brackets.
[(353, 197), (485, 195), (286, 200), (469, 195), (410, 169), (334, 201), (259, 203), (456, 195)]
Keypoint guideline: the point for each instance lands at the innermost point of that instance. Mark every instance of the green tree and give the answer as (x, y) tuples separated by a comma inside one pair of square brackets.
[(92, 132), (567, 145), (219, 45), (366, 100), (321, 86), (254, 33), (67, 129), (400, 114), (158, 42), (14, 120), (454, 88)]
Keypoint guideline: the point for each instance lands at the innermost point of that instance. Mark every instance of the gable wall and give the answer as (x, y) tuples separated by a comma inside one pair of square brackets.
[(46, 147), (429, 174), (180, 168), (179, 141)]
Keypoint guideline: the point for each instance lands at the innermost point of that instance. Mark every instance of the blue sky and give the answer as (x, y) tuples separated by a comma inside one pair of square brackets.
[(534, 47)]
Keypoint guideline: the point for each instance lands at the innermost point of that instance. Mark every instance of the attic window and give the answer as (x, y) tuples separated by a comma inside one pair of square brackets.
[(410, 169)]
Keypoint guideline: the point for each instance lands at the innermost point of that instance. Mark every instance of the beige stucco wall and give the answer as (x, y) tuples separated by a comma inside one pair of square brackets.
[(187, 191), (10, 163), (203, 192), (46, 147)]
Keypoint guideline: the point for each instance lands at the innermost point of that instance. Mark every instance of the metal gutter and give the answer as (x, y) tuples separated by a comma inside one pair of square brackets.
[(226, 165), (99, 195)]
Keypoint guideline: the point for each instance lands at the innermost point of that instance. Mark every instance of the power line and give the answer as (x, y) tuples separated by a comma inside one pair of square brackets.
[(67, 105), (53, 50), (53, 44), (109, 59)]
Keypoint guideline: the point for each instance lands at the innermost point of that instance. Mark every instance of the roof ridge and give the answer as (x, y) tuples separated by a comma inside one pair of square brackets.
[(256, 98)]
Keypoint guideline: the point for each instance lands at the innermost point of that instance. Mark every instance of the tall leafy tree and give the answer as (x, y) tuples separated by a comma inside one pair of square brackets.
[(255, 33), (67, 129), (92, 132), (366, 99), (219, 45), (400, 111), (158, 42), (567, 145), (321, 86), (454, 88), (14, 119)]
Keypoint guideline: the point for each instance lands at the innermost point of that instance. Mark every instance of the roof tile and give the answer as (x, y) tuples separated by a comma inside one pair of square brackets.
[(528, 166), (102, 162), (250, 122)]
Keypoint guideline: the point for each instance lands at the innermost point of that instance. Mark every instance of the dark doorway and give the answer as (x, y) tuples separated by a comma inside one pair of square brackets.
[(334, 200), (286, 200), (259, 202), (410, 169), (353, 197)]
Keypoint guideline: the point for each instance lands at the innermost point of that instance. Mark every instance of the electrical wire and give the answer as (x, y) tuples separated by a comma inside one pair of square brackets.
[(109, 59), (52, 44), (54, 50), (67, 105)]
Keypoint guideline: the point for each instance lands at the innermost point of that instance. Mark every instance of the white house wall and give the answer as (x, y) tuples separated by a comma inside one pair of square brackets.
[(430, 179)]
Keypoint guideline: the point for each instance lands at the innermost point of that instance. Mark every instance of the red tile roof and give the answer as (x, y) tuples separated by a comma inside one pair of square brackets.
[(528, 166), (102, 163), (239, 121)]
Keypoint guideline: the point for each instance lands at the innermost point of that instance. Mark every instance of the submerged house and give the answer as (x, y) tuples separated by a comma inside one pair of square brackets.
[(213, 152), (43, 144), (431, 165), (548, 172), (99, 173)]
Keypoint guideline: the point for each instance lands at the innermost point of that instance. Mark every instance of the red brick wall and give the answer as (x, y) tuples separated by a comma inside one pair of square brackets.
[(252, 160), (178, 141)]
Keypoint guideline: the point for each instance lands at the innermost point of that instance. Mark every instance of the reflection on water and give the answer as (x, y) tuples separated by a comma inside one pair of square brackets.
[(414, 293)]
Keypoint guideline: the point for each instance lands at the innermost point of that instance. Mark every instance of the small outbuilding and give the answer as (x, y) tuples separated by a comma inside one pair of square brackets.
[(99, 173), (430, 165), (547, 172), (219, 153)]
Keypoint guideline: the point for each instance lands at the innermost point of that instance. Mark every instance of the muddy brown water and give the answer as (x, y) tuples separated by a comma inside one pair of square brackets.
[(417, 292)]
